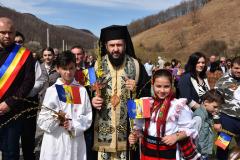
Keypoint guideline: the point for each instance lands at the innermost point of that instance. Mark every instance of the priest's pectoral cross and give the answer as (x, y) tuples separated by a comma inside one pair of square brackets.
[(115, 100)]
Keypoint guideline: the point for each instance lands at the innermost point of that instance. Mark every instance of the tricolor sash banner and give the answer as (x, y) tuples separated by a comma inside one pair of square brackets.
[(90, 76), (223, 140), (139, 108), (68, 94), (11, 67)]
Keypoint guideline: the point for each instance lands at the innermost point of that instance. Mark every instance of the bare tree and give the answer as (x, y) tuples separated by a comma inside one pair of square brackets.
[(194, 13), (181, 38)]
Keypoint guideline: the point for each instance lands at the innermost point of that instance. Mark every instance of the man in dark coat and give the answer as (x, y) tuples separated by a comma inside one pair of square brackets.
[(16, 80)]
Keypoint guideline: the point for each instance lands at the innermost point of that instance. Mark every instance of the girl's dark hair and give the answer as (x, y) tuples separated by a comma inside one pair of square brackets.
[(191, 65), (173, 61), (65, 58), (48, 49), (213, 96), (52, 51), (162, 73), (215, 66)]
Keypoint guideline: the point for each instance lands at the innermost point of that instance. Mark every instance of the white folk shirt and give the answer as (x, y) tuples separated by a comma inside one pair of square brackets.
[(57, 144), (179, 118)]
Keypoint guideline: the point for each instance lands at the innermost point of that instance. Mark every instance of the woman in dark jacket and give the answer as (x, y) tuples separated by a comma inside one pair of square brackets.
[(193, 84)]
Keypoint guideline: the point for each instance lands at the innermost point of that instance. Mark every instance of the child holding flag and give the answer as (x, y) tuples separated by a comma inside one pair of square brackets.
[(170, 123), (204, 121), (66, 113)]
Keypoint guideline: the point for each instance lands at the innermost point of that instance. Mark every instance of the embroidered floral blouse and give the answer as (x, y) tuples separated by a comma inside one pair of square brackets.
[(179, 118)]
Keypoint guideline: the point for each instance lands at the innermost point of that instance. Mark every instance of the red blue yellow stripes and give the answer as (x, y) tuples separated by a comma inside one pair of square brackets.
[(68, 93), (223, 140), (11, 67), (90, 76), (139, 108)]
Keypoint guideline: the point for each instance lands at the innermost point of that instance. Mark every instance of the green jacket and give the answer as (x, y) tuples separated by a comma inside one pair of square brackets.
[(206, 136)]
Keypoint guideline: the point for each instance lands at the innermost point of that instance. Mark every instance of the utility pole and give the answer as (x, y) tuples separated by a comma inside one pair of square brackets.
[(48, 37), (63, 45)]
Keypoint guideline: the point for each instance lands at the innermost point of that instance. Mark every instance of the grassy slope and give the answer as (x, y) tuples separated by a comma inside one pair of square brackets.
[(219, 20)]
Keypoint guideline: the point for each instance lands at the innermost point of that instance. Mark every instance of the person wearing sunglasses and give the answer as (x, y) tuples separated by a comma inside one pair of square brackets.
[(223, 64)]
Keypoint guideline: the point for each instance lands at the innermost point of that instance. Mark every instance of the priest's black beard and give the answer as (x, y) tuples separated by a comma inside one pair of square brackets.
[(116, 62)]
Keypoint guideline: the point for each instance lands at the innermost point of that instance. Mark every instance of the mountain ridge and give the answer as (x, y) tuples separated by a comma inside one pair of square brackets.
[(35, 29)]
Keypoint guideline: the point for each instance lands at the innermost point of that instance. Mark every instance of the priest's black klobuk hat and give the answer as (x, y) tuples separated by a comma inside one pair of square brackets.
[(115, 32)]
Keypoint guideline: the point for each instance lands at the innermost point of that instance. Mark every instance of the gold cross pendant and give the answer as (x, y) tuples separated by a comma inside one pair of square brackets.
[(115, 100)]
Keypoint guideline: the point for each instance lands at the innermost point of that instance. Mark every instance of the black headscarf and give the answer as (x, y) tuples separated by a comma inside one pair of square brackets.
[(116, 32)]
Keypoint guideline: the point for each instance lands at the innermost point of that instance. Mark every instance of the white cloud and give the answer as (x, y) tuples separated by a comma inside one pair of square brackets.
[(29, 6), (129, 4)]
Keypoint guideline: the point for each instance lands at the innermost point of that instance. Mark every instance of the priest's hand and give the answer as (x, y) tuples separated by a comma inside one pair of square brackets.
[(97, 102), (130, 84), (4, 108)]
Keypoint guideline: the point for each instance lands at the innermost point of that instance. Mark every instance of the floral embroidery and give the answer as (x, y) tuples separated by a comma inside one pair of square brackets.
[(177, 109)]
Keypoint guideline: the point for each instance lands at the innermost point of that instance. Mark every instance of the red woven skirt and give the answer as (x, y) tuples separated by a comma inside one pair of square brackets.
[(153, 149)]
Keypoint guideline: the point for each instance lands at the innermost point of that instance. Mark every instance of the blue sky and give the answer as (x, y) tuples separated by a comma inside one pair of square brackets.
[(89, 14)]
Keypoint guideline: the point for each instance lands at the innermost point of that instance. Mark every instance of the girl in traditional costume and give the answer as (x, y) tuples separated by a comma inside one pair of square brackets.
[(168, 129)]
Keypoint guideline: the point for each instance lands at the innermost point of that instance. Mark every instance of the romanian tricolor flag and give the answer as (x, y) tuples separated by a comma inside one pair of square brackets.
[(89, 76), (68, 94), (139, 108), (223, 140), (10, 68)]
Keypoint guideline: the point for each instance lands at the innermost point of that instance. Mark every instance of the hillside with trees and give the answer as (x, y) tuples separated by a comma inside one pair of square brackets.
[(35, 31), (213, 29), (185, 7)]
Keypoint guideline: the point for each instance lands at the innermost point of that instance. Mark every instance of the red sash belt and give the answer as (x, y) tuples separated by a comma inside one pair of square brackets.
[(153, 149)]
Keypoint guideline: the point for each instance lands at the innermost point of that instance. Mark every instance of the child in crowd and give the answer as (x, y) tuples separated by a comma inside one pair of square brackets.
[(170, 124), (204, 121), (65, 115)]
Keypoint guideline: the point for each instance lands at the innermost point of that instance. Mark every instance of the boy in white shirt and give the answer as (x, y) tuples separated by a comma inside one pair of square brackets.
[(65, 115)]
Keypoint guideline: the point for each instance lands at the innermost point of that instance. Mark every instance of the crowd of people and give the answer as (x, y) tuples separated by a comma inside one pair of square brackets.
[(211, 90), (188, 105)]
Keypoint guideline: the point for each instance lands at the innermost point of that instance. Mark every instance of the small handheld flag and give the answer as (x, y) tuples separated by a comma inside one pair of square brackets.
[(223, 140), (139, 108), (131, 109), (68, 94), (90, 76)]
